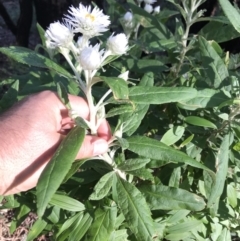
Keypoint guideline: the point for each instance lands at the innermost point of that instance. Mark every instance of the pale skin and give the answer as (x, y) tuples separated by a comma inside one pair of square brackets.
[(30, 133)]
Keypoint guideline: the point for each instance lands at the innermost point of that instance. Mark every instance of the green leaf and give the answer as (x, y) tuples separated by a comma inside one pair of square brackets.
[(103, 224), (67, 203), (119, 235), (162, 197), (206, 98), (183, 227), (55, 171), (214, 69), (144, 65), (36, 229), (221, 164), (133, 164), (232, 196), (219, 31), (231, 13), (41, 33), (102, 187), (133, 120), (198, 121), (29, 57), (81, 122), (120, 110), (142, 173), (63, 95), (154, 149), (70, 224), (81, 228), (135, 210), (118, 86), (160, 95), (173, 135)]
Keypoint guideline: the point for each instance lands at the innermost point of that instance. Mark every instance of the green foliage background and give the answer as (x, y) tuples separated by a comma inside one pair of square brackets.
[(180, 146)]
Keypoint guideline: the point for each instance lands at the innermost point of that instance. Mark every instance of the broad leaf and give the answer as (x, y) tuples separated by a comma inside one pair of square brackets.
[(183, 227), (173, 135), (170, 198), (29, 57), (133, 164), (154, 149), (206, 98), (221, 163), (118, 86), (55, 171), (231, 13), (102, 187), (214, 68), (67, 203), (160, 95), (135, 210), (103, 224), (198, 121)]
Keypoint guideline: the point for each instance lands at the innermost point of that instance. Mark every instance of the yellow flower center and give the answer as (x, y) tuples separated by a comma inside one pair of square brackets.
[(90, 16)]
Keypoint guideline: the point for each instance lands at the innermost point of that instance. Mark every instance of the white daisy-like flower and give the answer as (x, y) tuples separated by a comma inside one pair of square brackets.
[(156, 10), (90, 57), (89, 23), (117, 44), (148, 8), (149, 1), (59, 35)]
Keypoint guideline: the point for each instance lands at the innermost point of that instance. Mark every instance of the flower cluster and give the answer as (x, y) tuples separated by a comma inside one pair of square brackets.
[(90, 23)]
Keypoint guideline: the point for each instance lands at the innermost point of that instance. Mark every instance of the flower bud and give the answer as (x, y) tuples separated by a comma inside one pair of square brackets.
[(148, 8), (124, 75), (117, 44), (59, 35), (90, 58), (150, 1), (156, 10), (128, 17)]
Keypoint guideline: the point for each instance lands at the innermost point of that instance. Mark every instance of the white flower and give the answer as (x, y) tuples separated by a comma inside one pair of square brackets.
[(156, 10), (128, 17), (150, 1), (59, 34), (89, 23), (90, 57), (124, 75), (148, 8), (117, 44)]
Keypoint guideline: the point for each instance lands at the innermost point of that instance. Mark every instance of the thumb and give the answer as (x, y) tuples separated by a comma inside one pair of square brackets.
[(92, 146)]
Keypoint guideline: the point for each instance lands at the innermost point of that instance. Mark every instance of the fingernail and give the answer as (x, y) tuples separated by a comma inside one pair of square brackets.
[(99, 147)]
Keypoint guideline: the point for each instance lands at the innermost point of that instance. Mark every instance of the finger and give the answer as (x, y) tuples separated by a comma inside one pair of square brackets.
[(92, 146), (104, 130)]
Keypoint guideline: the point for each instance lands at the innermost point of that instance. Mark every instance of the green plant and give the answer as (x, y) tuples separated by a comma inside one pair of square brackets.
[(172, 171)]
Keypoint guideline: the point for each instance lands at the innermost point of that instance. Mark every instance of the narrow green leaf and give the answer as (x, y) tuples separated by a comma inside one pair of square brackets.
[(176, 216), (232, 196), (231, 13), (36, 229), (160, 95), (206, 98), (198, 121), (29, 57), (120, 110), (143, 173), (81, 122), (154, 149), (41, 33), (171, 198), (185, 142), (135, 210), (118, 86), (173, 135), (63, 95), (103, 224), (133, 164), (102, 187), (55, 171), (214, 68), (221, 164), (67, 203), (81, 228)]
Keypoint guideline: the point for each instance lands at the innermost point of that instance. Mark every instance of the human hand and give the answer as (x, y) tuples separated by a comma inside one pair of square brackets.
[(31, 132)]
